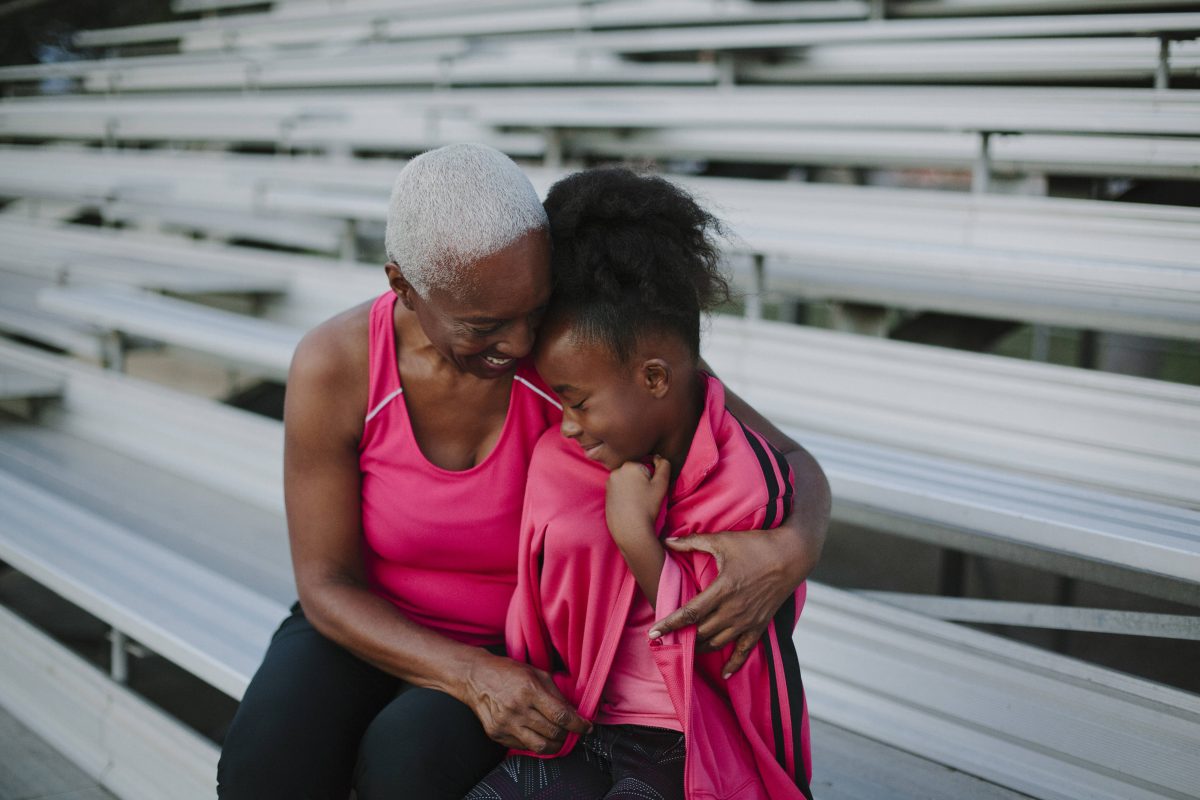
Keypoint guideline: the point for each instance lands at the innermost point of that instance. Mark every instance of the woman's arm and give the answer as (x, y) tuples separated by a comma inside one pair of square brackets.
[(758, 572), (518, 705)]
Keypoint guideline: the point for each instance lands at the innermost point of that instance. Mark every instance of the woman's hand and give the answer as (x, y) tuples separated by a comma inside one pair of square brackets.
[(757, 573), (519, 705), (633, 498)]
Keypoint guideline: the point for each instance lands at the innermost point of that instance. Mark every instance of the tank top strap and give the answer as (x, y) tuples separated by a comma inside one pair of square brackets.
[(384, 383), (530, 381)]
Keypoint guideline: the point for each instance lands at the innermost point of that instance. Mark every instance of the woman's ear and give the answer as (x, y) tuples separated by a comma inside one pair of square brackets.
[(656, 377), (400, 284)]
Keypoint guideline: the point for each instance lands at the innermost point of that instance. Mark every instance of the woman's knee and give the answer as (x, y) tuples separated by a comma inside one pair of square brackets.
[(424, 744), (297, 730)]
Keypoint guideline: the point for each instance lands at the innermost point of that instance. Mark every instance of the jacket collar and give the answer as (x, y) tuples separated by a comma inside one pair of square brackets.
[(702, 455)]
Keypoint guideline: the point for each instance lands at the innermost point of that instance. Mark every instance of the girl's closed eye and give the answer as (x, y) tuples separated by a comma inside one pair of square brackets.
[(578, 406)]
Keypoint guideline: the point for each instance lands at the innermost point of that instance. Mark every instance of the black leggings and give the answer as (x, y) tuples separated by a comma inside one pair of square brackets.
[(613, 762), (317, 721)]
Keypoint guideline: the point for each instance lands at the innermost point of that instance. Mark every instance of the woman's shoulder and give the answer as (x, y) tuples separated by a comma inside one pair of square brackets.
[(331, 360), (337, 345)]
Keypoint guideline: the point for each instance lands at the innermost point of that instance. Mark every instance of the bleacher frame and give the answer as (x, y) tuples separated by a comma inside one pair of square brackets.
[(1105, 496)]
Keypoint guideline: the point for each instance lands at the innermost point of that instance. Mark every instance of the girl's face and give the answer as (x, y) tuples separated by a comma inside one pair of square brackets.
[(610, 409), (485, 326)]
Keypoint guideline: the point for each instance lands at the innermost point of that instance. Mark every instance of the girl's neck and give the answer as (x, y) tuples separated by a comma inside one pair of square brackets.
[(677, 441)]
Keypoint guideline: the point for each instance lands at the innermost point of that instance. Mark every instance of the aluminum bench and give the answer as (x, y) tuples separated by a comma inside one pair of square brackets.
[(1089, 474), (987, 706), (257, 344)]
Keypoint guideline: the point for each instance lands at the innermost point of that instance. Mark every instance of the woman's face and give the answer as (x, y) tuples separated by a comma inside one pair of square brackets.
[(488, 323)]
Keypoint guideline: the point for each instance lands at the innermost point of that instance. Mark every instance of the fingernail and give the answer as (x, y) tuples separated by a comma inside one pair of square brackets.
[(727, 675), (656, 634)]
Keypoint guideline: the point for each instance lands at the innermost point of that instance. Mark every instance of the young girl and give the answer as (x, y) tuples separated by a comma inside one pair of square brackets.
[(647, 450)]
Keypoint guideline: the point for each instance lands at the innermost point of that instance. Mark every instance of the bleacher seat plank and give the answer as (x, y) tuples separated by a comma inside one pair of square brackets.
[(1055, 467), (1028, 61), (1134, 436), (1097, 111), (20, 316), (354, 25), (229, 450), (199, 619), (201, 523), (1146, 547), (242, 340), (1028, 719), (17, 384), (118, 738), (1097, 156), (783, 35), (939, 8), (1099, 265)]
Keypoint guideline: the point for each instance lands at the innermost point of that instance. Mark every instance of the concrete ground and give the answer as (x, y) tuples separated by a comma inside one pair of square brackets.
[(30, 769)]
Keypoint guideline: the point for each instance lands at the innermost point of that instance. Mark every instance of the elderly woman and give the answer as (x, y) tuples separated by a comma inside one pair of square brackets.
[(409, 424)]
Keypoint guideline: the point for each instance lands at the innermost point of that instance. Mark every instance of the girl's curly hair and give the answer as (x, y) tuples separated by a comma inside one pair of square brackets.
[(632, 254)]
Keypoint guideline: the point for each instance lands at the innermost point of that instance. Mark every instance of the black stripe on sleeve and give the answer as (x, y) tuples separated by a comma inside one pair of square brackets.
[(764, 461), (776, 709), (785, 470), (785, 623)]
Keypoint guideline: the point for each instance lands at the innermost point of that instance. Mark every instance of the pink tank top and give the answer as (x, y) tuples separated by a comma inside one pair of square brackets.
[(440, 544)]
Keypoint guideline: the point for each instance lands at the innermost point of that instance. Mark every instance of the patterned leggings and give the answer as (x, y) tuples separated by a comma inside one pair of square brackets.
[(614, 762)]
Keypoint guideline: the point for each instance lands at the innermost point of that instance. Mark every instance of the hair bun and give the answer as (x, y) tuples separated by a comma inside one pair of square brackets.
[(617, 233)]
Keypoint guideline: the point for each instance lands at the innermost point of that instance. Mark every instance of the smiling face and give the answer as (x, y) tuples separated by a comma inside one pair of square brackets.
[(489, 322), (616, 412)]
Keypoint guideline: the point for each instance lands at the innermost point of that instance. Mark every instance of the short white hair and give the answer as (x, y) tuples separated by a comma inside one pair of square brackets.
[(453, 206)]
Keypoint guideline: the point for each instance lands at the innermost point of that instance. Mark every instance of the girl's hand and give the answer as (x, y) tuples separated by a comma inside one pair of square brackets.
[(634, 497)]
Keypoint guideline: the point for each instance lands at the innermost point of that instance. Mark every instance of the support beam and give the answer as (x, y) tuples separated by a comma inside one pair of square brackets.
[(118, 663), (553, 159), (981, 172), (1162, 71), (349, 249), (754, 298), (860, 318)]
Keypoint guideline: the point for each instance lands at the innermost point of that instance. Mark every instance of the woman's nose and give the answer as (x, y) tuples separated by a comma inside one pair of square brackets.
[(519, 340)]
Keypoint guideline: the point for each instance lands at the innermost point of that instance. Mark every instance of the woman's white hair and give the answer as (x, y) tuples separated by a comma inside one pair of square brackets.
[(453, 206)]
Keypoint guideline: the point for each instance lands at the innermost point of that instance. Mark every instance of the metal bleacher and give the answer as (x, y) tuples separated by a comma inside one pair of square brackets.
[(214, 185)]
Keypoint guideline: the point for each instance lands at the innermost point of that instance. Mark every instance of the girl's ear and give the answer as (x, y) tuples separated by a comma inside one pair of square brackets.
[(656, 377), (400, 284)]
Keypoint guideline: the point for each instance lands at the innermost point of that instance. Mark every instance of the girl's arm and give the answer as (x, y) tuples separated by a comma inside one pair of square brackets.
[(633, 499)]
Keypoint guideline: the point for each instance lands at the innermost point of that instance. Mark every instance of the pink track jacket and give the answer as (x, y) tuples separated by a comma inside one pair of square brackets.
[(747, 737)]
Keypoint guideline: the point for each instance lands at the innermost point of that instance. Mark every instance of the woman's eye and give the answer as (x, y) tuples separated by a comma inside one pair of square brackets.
[(578, 406)]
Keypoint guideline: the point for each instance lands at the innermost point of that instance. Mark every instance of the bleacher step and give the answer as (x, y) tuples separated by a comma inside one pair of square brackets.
[(17, 384)]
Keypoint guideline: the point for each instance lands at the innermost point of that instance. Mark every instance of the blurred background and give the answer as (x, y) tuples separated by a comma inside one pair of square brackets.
[(966, 241)]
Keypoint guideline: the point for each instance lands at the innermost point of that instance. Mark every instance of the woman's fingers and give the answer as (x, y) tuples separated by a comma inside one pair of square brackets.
[(521, 707), (554, 708), (745, 646), (690, 613), (739, 603)]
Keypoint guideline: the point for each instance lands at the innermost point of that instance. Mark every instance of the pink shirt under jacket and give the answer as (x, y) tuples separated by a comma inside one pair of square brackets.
[(746, 737)]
